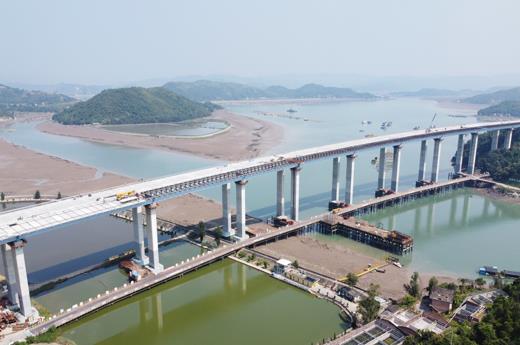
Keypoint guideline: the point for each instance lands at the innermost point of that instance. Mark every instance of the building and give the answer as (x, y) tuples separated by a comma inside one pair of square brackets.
[(350, 294), (281, 266), (441, 299)]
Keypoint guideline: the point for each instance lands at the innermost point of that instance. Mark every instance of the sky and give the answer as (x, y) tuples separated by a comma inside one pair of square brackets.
[(118, 41)]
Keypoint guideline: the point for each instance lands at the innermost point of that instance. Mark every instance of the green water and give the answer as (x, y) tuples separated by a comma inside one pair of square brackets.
[(225, 303), (454, 234), (183, 129), (84, 286)]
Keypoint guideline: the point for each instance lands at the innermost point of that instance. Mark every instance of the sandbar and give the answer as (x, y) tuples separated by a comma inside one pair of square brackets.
[(247, 138)]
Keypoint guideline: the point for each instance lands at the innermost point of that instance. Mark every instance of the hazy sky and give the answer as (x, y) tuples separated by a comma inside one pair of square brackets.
[(113, 41)]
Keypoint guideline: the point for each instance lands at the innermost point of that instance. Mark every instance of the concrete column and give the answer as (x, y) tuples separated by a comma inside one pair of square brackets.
[(241, 209), (472, 154), (382, 173), (422, 161), (494, 139), (349, 187), (436, 159), (396, 166), (459, 155), (508, 139), (21, 278), (295, 193), (140, 254), (10, 274), (335, 179), (151, 235), (226, 213), (280, 196)]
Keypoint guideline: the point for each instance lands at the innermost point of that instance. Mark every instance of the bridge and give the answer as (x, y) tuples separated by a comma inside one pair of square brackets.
[(18, 225)]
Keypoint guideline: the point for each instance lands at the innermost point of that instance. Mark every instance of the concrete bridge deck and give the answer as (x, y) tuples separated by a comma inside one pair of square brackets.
[(200, 261), (28, 221)]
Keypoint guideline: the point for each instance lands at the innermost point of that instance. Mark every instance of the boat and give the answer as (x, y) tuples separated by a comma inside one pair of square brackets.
[(397, 264), (488, 270), (416, 128), (291, 110)]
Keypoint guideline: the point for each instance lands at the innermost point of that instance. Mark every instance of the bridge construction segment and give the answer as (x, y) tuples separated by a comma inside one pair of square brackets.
[(18, 225)]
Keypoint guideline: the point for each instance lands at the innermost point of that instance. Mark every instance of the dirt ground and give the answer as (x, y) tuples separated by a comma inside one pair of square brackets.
[(337, 261), (331, 259), (247, 138), (23, 171)]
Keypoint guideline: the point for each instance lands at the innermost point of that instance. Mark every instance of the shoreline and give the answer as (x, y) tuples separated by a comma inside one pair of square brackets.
[(253, 136), (316, 100), (336, 260)]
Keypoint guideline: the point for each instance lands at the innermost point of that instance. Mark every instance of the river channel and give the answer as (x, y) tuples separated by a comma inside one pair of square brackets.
[(228, 303)]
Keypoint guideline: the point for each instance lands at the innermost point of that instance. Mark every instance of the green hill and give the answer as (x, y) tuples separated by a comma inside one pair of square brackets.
[(206, 90), (505, 108), (18, 100), (495, 97), (134, 105)]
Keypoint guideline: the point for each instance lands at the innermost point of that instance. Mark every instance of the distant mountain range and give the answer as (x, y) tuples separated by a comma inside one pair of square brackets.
[(434, 93), (502, 102), (206, 90), (17, 100), (495, 97), (134, 105), (504, 108)]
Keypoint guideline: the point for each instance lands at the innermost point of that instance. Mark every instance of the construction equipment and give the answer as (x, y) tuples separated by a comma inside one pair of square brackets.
[(123, 195)]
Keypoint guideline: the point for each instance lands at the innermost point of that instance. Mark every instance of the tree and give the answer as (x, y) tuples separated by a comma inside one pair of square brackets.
[(480, 282), (407, 301), (296, 264), (369, 306), (432, 284), (202, 231), (37, 195), (218, 235), (2, 196), (413, 287), (59, 195), (352, 279)]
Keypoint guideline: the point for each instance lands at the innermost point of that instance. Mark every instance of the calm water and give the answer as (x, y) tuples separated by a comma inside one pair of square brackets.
[(183, 129), (328, 123), (457, 233), (81, 287), (454, 234), (225, 303), (229, 303)]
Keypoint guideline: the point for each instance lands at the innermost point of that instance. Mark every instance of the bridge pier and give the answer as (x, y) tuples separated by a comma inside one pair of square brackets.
[(436, 159), (22, 284), (10, 275), (472, 154), (295, 193), (508, 139), (494, 139), (381, 169), (459, 155), (335, 179), (280, 196), (241, 209), (349, 187), (140, 254), (422, 164), (396, 166), (151, 235), (226, 213)]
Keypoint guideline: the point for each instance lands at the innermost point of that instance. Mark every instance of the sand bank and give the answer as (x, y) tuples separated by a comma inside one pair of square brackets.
[(336, 260), (23, 171), (247, 138)]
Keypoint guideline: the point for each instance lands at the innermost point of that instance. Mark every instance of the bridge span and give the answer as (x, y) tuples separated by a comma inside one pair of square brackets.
[(19, 224), (148, 282)]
